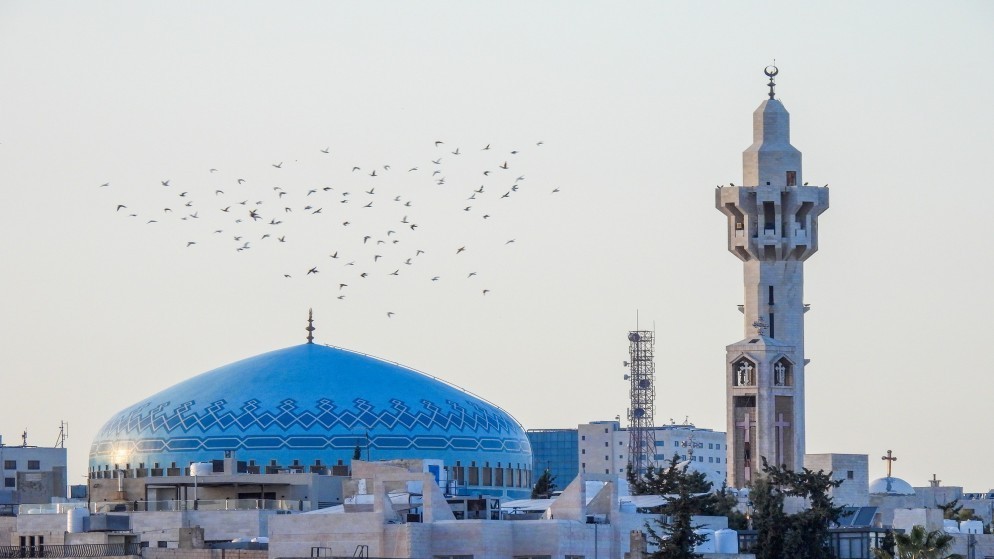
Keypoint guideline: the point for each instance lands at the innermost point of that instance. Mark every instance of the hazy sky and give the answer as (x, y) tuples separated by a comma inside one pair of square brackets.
[(641, 108)]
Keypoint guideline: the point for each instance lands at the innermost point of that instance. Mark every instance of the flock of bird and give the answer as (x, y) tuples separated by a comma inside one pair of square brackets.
[(364, 223)]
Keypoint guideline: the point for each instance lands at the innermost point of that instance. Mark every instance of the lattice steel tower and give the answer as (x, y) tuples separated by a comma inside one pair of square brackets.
[(642, 441)]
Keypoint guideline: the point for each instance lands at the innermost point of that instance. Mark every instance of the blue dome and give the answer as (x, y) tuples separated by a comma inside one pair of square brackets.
[(307, 405)]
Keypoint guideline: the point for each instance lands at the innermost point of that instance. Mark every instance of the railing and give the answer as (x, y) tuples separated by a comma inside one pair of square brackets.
[(49, 508), (278, 505), (76, 550)]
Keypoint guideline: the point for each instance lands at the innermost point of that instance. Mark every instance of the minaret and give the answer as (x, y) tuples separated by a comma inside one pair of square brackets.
[(773, 229)]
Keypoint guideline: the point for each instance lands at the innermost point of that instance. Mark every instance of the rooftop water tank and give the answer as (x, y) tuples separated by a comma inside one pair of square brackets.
[(726, 541), (76, 520)]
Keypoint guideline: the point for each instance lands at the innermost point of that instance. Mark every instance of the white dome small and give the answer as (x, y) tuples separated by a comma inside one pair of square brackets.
[(891, 486)]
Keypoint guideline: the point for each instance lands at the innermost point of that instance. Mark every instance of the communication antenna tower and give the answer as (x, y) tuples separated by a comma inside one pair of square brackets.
[(642, 392), (63, 434)]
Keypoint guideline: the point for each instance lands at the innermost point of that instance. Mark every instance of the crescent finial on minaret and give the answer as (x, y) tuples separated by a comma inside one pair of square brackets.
[(771, 71), (310, 326)]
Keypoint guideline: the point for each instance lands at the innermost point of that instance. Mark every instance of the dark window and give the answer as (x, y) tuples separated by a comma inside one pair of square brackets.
[(34, 464), (849, 474), (163, 544), (791, 178), (771, 295), (8, 482), (773, 331), (10, 464)]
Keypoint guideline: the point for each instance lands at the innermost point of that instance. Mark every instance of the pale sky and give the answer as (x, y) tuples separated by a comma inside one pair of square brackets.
[(641, 109)]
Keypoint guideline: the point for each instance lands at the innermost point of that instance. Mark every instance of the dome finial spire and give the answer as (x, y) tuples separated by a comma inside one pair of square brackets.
[(310, 326), (771, 71)]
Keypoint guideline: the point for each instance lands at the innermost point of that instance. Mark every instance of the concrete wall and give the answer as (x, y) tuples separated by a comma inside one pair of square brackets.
[(852, 469)]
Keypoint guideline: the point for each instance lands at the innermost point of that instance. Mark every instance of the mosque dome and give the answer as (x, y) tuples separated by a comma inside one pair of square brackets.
[(891, 486), (310, 406)]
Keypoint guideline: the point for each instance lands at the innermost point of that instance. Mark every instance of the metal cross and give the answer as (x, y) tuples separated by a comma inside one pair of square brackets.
[(890, 458)]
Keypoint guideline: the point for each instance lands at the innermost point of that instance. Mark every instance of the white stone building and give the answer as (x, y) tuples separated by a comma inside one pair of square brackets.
[(603, 448)]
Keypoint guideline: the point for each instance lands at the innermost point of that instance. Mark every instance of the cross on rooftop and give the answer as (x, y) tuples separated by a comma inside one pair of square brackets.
[(890, 458)]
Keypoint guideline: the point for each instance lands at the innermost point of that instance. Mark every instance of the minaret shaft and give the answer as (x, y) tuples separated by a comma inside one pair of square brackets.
[(773, 229)]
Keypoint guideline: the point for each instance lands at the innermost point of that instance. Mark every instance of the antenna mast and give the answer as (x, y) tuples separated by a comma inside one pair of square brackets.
[(60, 442), (642, 392)]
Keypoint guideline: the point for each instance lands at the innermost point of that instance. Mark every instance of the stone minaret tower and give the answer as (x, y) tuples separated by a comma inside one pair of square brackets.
[(773, 229)]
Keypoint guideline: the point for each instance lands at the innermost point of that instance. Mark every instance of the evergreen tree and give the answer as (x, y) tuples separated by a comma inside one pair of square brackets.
[(676, 538), (544, 485), (768, 519), (799, 536)]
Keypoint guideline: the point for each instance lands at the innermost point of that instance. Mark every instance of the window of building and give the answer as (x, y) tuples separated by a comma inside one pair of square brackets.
[(849, 474), (791, 178), (36, 465), (606, 443), (771, 295), (8, 482), (453, 557), (162, 544), (583, 451), (620, 457), (607, 471), (606, 457), (10, 464), (605, 429), (532, 557)]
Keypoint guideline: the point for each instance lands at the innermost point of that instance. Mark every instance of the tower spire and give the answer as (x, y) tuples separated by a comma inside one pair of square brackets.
[(310, 326)]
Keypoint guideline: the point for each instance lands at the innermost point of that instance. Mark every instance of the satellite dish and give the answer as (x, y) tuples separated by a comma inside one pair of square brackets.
[(634, 337)]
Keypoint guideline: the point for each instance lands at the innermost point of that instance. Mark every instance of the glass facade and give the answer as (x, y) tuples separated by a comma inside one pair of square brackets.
[(557, 450)]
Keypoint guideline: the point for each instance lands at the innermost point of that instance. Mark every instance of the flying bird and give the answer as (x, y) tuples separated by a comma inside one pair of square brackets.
[(460, 249), (278, 165), (312, 271), (165, 183), (325, 150), (191, 243), (240, 181), (389, 315), (504, 166), (119, 206)]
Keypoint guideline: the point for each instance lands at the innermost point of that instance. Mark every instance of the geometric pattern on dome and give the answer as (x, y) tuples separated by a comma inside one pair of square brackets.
[(307, 442), (327, 415)]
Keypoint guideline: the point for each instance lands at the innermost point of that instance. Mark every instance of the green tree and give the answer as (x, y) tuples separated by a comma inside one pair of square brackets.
[(803, 535), (676, 538), (768, 519), (920, 544), (666, 480), (544, 485)]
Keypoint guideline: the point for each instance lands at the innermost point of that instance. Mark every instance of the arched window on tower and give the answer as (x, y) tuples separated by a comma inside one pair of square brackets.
[(744, 373), (783, 373)]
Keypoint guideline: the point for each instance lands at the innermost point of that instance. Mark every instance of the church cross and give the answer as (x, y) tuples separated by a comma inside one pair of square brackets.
[(781, 374), (890, 458), (781, 427), (745, 370), (745, 424)]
